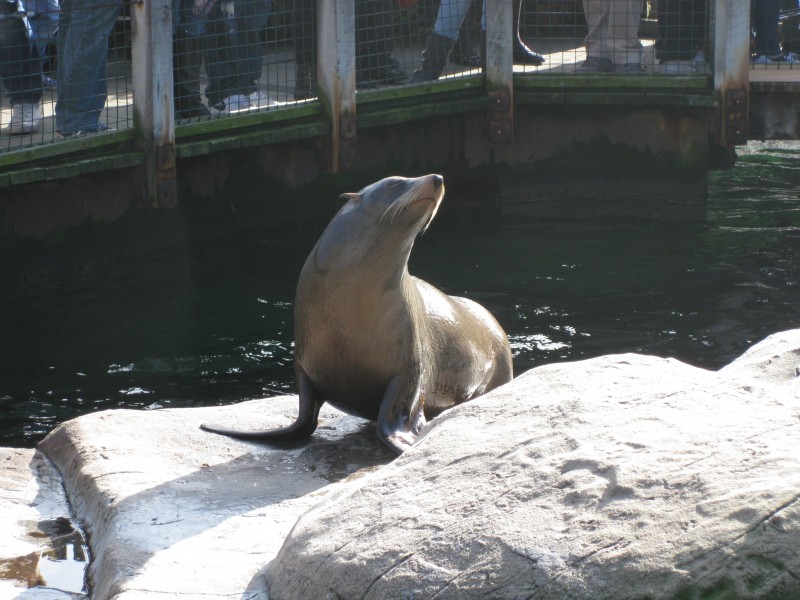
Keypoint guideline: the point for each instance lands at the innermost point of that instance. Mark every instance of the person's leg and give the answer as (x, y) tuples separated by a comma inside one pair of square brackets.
[(468, 49), (598, 50), (20, 71), (218, 53), (234, 52), (441, 40), (251, 18), (188, 46), (304, 23), (83, 30), (44, 23), (765, 25), (450, 17), (522, 54), (681, 26), (375, 44), (623, 34)]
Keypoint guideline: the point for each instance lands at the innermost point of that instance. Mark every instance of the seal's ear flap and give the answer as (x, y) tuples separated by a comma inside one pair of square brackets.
[(355, 197)]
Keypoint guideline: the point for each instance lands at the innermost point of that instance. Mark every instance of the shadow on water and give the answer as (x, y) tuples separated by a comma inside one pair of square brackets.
[(213, 324)]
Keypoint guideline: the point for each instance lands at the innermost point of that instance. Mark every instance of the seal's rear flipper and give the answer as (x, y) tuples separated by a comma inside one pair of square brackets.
[(290, 433), (303, 427)]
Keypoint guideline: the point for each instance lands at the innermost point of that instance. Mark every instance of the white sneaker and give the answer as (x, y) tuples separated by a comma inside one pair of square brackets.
[(695, 66), (259, 99), (25, 118), (231, 104)]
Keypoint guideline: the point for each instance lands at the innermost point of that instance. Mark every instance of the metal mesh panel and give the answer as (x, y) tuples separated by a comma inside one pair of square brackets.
[(630, 37), (237, 56), (775, 29), (65, 70)]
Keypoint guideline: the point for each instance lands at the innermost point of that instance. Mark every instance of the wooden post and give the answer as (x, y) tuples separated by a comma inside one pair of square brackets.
[(151, 49), (336, 77), (500, 69), (732, 70)]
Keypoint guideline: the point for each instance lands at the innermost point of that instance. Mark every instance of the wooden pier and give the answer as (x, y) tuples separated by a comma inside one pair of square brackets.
[(539, 141)]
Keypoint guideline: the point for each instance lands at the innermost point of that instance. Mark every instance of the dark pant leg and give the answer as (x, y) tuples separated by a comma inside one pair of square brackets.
[(304, 31), (765, 24), (374, 37), (20, 67), (681, 29), (235, 53)]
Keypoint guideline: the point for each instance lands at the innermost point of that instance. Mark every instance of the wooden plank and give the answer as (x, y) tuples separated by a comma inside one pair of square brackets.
[(613, 98), (111, 163), (612, 81), (273, 116), (406, 114), (438, 88), (27, 176), (67, 147)]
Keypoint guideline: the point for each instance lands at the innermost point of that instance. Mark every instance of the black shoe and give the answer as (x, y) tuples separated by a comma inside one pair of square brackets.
[(465, 54), (99, 128), (526, 56), (187, 107), (434, 58), (389, 75)]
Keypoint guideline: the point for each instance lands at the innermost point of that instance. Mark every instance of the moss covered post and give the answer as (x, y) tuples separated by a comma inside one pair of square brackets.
[(336, 77), (151, 57), (500, 69), (731, 71)]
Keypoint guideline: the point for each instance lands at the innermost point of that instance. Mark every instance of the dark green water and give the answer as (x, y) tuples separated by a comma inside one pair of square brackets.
[(214, 325)]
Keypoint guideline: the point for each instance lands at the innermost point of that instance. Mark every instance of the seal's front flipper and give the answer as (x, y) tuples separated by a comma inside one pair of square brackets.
[(303, 427), (401, 416)]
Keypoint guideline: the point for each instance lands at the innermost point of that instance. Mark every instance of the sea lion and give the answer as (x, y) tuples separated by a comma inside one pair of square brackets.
[(375, 341)]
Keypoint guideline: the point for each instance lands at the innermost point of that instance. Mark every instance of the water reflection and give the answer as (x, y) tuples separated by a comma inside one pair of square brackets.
[(214, 324)]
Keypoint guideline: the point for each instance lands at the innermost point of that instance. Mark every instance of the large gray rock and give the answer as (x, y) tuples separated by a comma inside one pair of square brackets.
[(173, 511), (619, 477)]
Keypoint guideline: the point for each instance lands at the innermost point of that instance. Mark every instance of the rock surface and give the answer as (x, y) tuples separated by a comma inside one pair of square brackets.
[(173, 511), (38, 558), (619, 477)]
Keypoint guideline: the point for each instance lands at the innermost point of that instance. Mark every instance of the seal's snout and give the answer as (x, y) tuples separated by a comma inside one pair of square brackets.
[(438, 181)]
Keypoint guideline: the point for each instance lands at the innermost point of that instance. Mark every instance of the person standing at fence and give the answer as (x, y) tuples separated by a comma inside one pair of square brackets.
[(20, 69), (441, 41), (188, 48), (83, 30), (681, 36), (235, 55), (612, 41), (374, 46), (43, 18)]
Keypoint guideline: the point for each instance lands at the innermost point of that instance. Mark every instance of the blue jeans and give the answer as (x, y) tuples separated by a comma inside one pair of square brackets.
[(44, 23), (450, 16), (234, 51), (20, 67), (83, 30)]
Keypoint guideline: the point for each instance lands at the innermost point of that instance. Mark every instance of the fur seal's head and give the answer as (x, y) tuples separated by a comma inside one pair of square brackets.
[(384, 216), (400, 201)]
